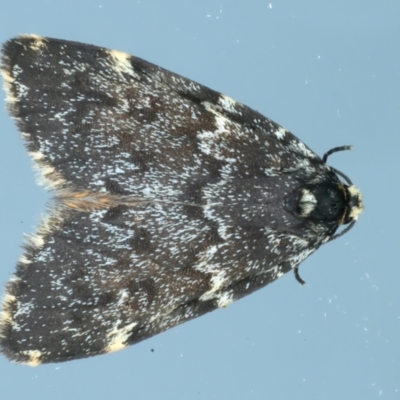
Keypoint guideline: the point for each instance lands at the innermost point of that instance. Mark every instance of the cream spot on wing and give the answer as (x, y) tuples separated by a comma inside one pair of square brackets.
[(34, 357), (224, 299), (118, 337), (37, 43), (37, 241), (36, 155), (24, 260), (228, 104), (280, 133), (47, 176), (7, 82), (31, 36), (122, 62), (218, 281), (6, 318)]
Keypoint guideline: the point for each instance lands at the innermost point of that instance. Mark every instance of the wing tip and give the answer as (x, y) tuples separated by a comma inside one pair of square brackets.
[(8, 326)]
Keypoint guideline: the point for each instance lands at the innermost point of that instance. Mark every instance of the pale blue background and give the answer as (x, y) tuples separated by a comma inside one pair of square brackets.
[(327, 70)]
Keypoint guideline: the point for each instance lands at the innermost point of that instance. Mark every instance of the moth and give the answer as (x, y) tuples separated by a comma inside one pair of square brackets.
[(170, 200)]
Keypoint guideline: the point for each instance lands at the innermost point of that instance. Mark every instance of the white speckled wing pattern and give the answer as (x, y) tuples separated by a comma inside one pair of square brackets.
[(169, 200)]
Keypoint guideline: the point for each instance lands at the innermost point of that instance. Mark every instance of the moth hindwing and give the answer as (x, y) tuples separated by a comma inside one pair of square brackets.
[(170, 200)]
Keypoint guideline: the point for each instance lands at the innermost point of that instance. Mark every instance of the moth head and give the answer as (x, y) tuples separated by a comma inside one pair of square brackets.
[(353, 198), (331, 203)]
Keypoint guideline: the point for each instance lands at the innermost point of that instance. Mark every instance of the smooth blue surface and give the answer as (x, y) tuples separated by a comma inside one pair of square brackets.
[(330, 72)]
